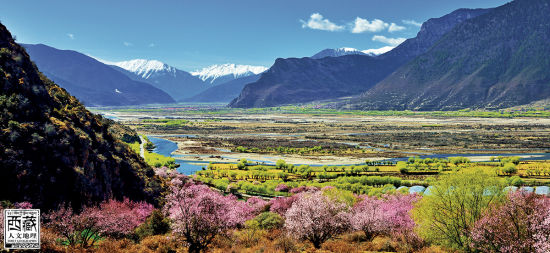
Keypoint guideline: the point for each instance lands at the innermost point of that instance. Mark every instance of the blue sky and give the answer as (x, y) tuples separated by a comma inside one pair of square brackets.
[(194, 34)]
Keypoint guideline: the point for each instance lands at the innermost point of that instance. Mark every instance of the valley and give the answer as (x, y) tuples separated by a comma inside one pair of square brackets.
[(319, 137)]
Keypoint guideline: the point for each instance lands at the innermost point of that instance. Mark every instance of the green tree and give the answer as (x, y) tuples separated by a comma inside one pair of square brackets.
[(456, 202)]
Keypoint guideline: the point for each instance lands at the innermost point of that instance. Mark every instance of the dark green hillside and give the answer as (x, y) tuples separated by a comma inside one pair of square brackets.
[(496, 60), (52, 149)]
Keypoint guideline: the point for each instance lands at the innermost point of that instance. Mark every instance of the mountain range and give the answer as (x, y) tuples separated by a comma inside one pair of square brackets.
[(183, 85), (178, 83), (97, 82), (337, 52), (307, 79)]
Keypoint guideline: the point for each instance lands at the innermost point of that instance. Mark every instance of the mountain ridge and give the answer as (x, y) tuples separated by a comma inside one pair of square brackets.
[(91, 81), (493, 61), (304, 80)]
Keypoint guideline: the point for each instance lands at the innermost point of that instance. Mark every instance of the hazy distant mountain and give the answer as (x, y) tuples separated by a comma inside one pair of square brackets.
[(225, 92), (337, 52), (303, 80), (218, 74), (350, 51), (495, 60), (178, 83), (91, 81)]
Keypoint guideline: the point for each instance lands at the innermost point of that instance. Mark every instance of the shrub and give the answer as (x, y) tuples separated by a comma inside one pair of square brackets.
[(269, 220), (282, 188), (156, 224), (76, 229)]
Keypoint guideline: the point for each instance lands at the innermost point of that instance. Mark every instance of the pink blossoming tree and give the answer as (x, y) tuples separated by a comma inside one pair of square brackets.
[(118, 219), (314, 217), (520, 224), (383, 216), (280, 205), (198, 214), (257, 204)]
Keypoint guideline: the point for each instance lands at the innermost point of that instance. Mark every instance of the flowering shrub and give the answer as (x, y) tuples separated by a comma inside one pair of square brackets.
[(76, 229), (314, 217), (520, 224), (161, 172), (23, 205), (257, 204), (280, 205), (282, 188), (111, 218), (303, 189), (199, 214)]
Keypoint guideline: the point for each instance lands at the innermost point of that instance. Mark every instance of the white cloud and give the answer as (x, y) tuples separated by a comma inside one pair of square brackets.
[(317, 22), (395, 28), (411, 22), (378, 51), (152, 45), (390, 41), (127, 44), (363, 25), (70, 35)]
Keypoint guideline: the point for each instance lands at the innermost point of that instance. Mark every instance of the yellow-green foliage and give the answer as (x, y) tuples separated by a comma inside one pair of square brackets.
[(456, 201), (154, 159)]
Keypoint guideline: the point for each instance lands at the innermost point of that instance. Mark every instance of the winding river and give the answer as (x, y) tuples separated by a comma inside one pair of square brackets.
[(189, 167)]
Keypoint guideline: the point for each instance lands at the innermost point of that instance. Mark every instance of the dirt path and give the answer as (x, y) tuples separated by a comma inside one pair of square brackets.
[(141, 147)]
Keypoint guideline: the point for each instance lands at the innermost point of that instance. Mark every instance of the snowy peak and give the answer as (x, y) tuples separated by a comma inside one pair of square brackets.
[(336, 52), (331, 52), (227, 71), (378, 51), (145, 68)]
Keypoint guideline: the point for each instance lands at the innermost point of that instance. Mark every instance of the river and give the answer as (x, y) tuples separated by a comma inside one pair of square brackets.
[(189, 167)]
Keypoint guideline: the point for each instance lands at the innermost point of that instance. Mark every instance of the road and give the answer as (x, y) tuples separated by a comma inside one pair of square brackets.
[(141, 147)]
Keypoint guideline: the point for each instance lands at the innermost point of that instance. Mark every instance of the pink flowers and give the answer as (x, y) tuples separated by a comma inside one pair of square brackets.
[(521, 224), (199, 214), (111, 218), (23, 205), (387, 215), (316, 218), (303, 189), (282, 188), (280, 205), (118, 219), (257, 204)]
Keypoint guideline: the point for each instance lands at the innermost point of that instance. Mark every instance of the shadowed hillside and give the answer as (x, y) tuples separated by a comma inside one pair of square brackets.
[(52, 149)]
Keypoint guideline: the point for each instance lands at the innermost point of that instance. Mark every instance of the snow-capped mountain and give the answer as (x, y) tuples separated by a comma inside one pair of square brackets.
[(377, 51), (145, 68), (336, 52), (217, 74), (178, 83)]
